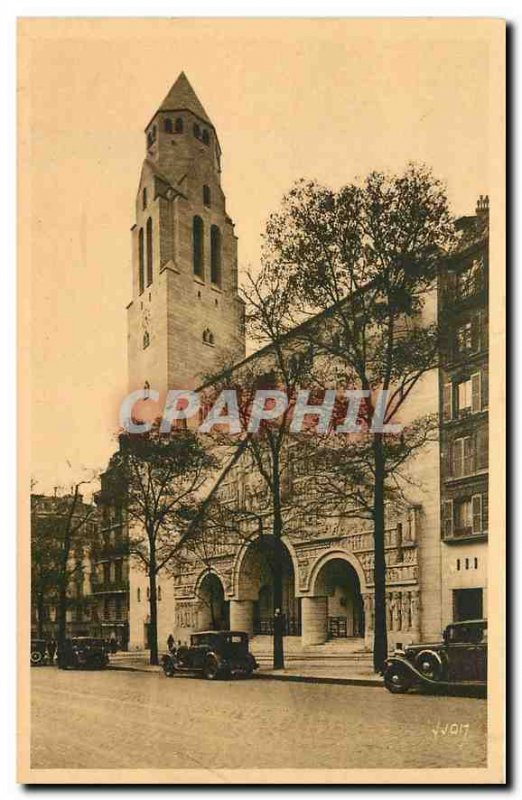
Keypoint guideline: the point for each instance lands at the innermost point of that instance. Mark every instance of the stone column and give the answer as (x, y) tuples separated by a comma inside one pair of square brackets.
[(314, 620), (242, 616)]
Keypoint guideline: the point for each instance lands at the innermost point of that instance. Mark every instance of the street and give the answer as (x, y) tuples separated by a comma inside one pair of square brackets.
[(122, 720)]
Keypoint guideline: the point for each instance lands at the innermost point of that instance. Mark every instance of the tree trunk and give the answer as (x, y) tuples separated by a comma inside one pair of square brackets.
[(277, 574), (40, 610), (153, 627), (61, 613), (380, 642)]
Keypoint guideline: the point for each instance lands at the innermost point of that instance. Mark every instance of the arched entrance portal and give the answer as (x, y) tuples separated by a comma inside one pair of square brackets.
[(213, 610), (334, 609), (255, 604)]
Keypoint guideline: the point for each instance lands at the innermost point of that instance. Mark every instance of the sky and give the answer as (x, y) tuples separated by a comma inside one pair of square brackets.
[(323, 99)]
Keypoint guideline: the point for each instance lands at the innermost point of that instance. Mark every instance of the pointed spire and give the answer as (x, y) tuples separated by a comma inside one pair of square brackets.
[(182, 95)]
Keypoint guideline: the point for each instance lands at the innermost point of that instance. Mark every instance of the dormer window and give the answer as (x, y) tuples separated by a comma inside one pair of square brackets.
[(205, 137), (196, 130), (167, 125), (178, 127), (206, 195)]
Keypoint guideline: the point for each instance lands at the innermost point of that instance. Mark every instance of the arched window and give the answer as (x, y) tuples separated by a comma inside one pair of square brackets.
[(141, 257), (159, 592), (149, 251), (144, 197), (148, 592), (205, 137), (197, 246), (178, 127), (211, 338), (197, 130), (139, 595), (206, 195), (150, 140), (215, 255), (146, 340), (167, 125)]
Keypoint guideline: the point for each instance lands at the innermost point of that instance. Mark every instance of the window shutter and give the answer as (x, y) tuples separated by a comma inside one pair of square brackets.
[(467, 456), (476, 506), (475, 333), (447, 519), (484, 386), (456, 458), (482, 448), (485, 512), (447, 411), (483, 327), (475, 393)]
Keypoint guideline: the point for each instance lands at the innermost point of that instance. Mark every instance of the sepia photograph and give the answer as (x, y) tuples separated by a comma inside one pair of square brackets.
[(261, 400)]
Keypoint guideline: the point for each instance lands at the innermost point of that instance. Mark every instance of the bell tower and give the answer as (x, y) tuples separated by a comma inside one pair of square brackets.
[(185, 319)]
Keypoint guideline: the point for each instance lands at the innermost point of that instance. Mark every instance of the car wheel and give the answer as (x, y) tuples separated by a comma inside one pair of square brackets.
[(397, 681), (430, 665), (211, 669), (168, 669), (36, 657)]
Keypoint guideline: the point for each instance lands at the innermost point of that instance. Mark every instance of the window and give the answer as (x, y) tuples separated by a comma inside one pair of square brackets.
[(146, 340), (196, 130), (118, 571), (464, 397), (159, 593), (467, 604), (148, 592), (144, 198), (469, 281), (205, 137), (215, 255), (464, 338), (167, 125), (197, 246), (476, 404), (141, 258), (178, 127), (106, 572), (447, 518), (462, 517), (138, 594), (206, 195), (149, 251), (208, 336), (462, 457)]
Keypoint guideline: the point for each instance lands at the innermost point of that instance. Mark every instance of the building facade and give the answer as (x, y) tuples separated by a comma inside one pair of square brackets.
[(463, 310), (50, 525)]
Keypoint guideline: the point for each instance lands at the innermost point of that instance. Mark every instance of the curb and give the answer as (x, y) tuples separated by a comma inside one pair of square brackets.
[(274, 677)]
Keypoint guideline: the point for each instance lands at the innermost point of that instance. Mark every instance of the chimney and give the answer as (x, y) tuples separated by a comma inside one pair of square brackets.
[(482, 209)]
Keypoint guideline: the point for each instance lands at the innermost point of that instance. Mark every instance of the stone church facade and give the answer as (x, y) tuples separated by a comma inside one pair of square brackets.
[(185, 320)]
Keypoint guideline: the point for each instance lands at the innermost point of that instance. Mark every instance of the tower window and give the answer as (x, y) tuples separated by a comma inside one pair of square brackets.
[(150, 140), (197, 246), (167, 125), (215, 255), (208, 336), (146, 340), (206, 195), (144, 198), (205, 137), (149, 251), (196, 130), (178, 127), (141, 261)]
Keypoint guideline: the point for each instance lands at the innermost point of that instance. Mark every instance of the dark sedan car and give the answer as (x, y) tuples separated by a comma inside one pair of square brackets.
[(213, 654), (83, 652), (460, 660)]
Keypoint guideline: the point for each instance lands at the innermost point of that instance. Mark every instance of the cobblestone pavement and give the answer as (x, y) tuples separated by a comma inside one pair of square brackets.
[(123, 720)]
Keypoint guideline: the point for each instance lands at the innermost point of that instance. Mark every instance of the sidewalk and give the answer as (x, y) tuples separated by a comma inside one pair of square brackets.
[(297, 671)]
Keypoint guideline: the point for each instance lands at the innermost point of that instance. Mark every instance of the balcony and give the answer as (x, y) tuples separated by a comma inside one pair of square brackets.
[(110, 587)]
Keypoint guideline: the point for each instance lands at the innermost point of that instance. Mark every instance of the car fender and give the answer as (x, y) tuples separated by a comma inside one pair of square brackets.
[(412, 669)]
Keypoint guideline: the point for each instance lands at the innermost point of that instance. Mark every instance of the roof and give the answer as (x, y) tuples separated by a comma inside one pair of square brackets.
[(182, 96)]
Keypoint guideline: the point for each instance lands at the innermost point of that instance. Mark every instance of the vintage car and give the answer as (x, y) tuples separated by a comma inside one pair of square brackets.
[(213, 654), (38, 652), (83, 652), (460, 660)]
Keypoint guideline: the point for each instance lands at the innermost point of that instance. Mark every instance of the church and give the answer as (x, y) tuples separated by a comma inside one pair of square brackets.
[(185, 320)]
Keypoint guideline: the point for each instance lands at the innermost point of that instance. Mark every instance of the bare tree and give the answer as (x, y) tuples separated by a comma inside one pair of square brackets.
[(357, 266)]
